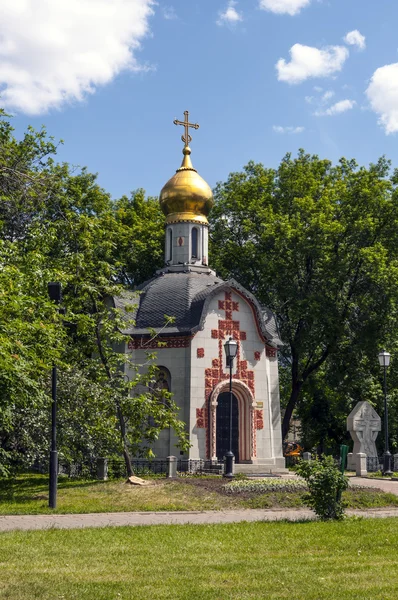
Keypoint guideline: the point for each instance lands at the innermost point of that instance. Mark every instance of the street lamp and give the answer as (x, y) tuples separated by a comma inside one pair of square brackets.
[(384, 360), (231, 348), (55, 293)]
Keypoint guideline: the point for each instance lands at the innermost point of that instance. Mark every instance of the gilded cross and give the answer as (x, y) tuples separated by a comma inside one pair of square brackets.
[(186, 138)]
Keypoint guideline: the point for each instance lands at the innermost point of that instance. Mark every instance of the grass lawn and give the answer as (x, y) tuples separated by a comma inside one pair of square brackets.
[(275, 561), (28, 494)]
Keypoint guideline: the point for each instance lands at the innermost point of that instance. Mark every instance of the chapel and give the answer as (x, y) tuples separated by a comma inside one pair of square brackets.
[(207, 311)]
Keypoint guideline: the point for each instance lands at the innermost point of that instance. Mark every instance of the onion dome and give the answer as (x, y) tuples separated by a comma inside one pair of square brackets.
[(186, 196)]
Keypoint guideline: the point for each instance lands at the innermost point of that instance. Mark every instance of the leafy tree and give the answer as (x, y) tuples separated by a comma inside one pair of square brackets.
[(317, 244), (139, 250), (57, 224)]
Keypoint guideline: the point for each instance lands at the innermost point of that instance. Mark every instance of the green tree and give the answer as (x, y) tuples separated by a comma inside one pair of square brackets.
[(57, 224), (317, 244)]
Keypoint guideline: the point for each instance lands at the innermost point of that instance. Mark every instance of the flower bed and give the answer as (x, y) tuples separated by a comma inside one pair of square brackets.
[(261, 486)]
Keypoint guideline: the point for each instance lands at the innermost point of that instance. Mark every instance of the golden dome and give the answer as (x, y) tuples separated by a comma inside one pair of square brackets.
[(186, 196)]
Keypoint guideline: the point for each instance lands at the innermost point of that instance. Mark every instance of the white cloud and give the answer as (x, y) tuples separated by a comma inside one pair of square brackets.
[(58, 51), (279, 129), (336, 109), (169, 13), (327, 96), (354, 38), (230, 16), (307, 61), (382, 94), (280, 7)]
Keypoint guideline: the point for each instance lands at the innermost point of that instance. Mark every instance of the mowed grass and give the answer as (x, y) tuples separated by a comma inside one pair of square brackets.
[(350, 560), (28, 494)]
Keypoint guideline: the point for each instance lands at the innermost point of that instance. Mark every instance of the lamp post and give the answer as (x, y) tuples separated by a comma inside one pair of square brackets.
[(384, 360), (54, 291), (231, 348)]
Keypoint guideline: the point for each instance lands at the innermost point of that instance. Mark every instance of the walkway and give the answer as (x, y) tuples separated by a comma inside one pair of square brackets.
[(386, 485), (28, 522)]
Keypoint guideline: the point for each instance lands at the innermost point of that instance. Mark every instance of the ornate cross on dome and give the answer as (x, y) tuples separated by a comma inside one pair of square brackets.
[(186, 138)]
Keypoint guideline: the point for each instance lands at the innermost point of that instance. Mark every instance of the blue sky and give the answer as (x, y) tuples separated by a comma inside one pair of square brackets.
[(261, 77)]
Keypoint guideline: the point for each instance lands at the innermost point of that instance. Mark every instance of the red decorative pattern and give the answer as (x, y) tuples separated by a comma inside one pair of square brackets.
[(200, 352), (259, 419), (201, 418), (271, 352), (159, 344), (257, 355), (216, 374)]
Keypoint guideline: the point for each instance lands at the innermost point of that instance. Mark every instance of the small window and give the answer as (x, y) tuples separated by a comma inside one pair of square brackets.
[(194, 252), (170, 245)]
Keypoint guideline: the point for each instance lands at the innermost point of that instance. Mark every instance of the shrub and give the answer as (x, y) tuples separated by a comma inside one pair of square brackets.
[(325, 486)]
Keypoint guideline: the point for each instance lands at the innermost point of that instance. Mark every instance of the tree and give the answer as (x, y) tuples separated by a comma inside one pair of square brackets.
[(57, 224), (315, 243)]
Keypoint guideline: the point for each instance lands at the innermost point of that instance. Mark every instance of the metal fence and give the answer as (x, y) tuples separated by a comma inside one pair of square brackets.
[(116, 467), (375, 463)]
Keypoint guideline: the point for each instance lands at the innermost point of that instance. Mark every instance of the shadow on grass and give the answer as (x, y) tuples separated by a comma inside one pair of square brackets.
[(28, 487)]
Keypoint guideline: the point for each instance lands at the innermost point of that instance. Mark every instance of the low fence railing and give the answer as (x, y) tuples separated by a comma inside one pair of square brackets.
[(375, 463), (115, 468)]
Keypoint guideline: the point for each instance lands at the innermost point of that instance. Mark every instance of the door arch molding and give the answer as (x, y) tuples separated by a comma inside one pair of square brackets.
[(246, 404)]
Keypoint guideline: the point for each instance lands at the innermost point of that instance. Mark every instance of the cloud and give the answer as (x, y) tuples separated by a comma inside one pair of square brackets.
[(382, 94), (327, 96), (336, 109), (354, 38), (57, 52), (280, 7), (307, 61), (169, 13), (230, 16), (279, 129)]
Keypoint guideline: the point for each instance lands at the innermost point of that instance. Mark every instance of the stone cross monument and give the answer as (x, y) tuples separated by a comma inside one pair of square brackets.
[(364, 424)]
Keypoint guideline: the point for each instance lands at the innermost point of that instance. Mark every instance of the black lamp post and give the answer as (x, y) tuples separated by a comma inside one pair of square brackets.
[(54, 291), (384, 360), (231, 348)]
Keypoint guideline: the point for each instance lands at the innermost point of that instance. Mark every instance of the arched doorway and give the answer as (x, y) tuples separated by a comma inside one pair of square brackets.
[(245, 435), (223, 425)]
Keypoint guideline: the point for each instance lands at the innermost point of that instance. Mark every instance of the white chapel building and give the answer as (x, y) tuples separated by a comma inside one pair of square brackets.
[(207, 311)]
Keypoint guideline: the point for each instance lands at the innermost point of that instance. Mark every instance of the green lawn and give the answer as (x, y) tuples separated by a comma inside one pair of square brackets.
[(350, 560), (28, 494)]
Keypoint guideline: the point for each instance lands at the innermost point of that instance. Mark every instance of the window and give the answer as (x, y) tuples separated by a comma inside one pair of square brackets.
[(170, 257), (194, 239), (160, 391)]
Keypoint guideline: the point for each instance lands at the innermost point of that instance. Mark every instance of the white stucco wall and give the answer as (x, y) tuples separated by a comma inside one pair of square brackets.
[(188, 368)]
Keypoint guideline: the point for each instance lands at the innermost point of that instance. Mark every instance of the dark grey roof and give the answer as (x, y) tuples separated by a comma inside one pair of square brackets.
[(185, 296)]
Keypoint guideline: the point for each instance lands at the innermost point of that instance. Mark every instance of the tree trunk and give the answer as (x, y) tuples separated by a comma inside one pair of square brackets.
[(296, 386), (126, 454)]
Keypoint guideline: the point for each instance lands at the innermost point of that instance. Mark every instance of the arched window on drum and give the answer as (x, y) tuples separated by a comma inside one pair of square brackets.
[(170, 252), (194, 242)]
